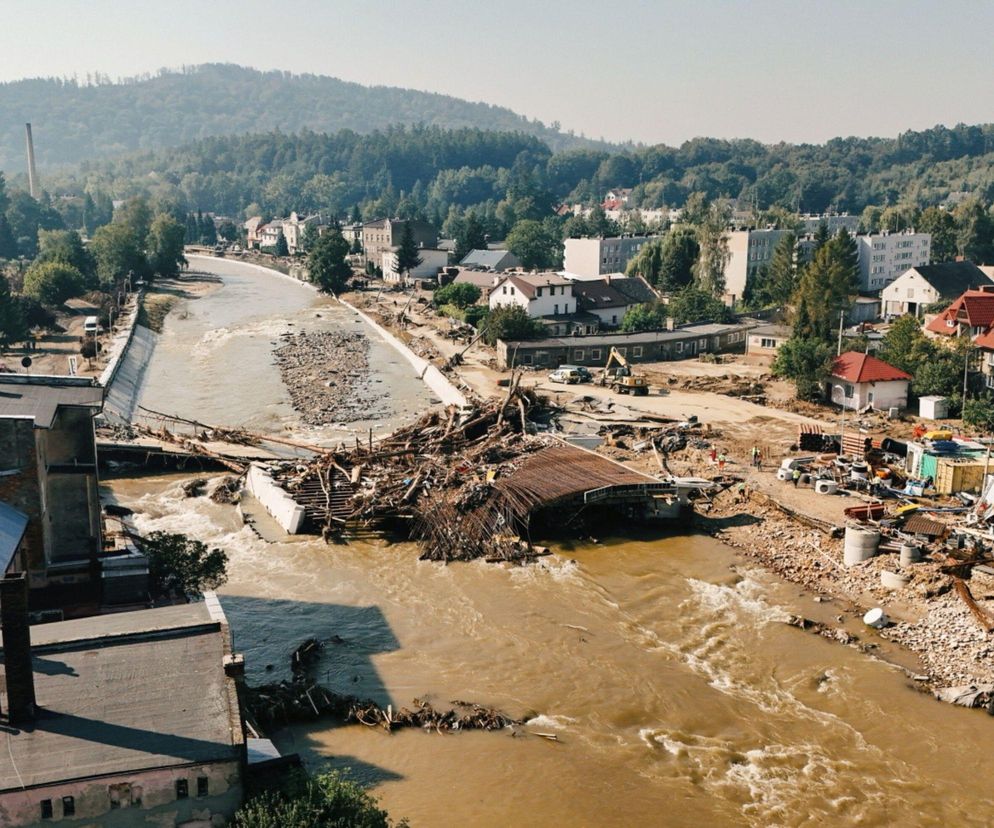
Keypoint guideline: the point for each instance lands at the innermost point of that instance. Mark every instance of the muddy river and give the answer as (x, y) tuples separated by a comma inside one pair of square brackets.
[(661, 663)]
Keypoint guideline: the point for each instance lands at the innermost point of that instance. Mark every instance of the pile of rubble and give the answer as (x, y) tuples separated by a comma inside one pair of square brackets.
[(327, 375)]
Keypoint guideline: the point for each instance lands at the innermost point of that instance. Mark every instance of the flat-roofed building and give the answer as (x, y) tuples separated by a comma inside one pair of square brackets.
[(594, 258)]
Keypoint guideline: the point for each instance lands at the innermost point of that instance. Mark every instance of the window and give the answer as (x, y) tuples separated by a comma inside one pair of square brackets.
[(767, 343), (679, 347), (595, 353), (182, 789), (504, 289), (623, 351), (911, 292), (46, 809), (614, 319), (848, 389), (637, 351), (578, 354), (202, 786), (555, 310), (526, 359), (68, 806), (539, 291)]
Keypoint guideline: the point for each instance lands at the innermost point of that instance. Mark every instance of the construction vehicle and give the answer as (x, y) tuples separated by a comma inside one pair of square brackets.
[(622, 379)]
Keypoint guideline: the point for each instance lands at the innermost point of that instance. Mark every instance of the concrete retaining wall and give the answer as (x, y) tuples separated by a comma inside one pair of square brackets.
[(430, 375), (285, 510)]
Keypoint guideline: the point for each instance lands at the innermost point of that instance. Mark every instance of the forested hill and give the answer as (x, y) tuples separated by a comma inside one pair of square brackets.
[(73, 122)]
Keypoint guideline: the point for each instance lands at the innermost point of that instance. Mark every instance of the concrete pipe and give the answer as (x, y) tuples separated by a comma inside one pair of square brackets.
[(860, 545), (894, 580), (910, 553)]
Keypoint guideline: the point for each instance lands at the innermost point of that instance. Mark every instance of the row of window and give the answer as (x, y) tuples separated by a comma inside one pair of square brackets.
[(126, 795)]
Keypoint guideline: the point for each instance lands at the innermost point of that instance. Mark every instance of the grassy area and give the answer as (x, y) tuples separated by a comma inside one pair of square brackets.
[(154, 309)]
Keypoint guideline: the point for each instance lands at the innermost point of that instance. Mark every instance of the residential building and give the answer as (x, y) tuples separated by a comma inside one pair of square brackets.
[(593, 258), (379, 237), (645, 346), (766, 340), (885, 256), (918, 287), (749, 250), (972, 315), (540, 294), (295, 227), (609, 299), (861, 381), (123, 719), (494, 260), (268, 234), (617, 199), (834, 222), (48, 472), (432, 261), (252, 231)]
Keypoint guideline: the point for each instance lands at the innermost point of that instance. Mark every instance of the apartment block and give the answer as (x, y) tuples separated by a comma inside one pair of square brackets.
[(885, 256)]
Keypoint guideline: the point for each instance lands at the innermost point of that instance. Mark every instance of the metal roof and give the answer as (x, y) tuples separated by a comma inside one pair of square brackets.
[(626, 339), (124, 693), (39, 397), (12, 526)]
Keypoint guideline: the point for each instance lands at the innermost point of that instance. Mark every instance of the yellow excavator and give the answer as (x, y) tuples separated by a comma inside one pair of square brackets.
[(621, 379)]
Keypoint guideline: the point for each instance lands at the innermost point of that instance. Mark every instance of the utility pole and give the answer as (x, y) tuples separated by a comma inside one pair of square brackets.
[(842, 316), (966, 366)]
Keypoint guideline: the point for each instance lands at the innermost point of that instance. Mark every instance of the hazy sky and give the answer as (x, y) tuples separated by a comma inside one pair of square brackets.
[(660, 71)]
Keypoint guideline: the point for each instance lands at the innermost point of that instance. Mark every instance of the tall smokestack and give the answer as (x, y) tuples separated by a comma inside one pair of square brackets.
[(32, 172), (17, 648)]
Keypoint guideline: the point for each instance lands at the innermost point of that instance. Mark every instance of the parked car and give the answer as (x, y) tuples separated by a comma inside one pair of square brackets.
[(566, 376), (585, 375)]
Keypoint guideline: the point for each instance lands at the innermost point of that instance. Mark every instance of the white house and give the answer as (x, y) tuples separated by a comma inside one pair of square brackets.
[(859, 381), (885, 256), (540, 294), (432, 261), (926, 285), (766, 340)]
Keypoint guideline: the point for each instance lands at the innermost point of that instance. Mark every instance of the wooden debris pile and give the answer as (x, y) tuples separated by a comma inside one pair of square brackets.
[(436, 476), (303, 699)]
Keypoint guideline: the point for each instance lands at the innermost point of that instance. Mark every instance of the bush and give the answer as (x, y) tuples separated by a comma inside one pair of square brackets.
[(808, 362), (511, 322), (461, 295), (90, 348), (475, 314), (646, 317), (322, 801)]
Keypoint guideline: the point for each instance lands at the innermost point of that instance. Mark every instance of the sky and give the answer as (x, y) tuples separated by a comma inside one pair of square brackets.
[(653, 72)]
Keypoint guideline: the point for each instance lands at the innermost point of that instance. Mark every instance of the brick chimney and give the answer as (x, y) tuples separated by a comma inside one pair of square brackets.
[(17, 648)]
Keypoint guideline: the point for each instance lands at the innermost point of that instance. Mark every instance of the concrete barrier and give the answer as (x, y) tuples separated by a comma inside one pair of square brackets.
[(119, 344), (285, 510)]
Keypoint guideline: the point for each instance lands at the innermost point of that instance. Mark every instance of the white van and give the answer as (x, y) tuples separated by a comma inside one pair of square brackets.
[(91, 326)]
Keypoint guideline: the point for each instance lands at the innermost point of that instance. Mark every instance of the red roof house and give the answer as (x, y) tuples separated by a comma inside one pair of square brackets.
[(972, 313), (862, 381)]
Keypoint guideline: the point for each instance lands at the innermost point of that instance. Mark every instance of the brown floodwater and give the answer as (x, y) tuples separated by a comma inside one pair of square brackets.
[(661, 663)]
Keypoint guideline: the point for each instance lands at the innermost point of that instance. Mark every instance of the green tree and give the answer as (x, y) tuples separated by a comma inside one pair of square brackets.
[(511, 323), (533, 244), (26, 217), (825, 291), (975, 233), (905, 345), (67, 247), (471, 236), (165, 245), (51, 283), (808, 362), (8, 244), (89, 215), (327, 264), (646, 317), (461, 295), (183, 566), (323, 801), (694, 305), (281, 248), (712, 236), (978, 413), (13, 325), (869, 221), (667, 263), (116, 250), (899, 218), (136, 215), (781, 276), (407, 258), (942, 226), (309, 238)]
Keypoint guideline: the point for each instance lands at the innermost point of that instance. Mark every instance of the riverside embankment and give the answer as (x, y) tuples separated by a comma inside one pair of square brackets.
[(679, 695)]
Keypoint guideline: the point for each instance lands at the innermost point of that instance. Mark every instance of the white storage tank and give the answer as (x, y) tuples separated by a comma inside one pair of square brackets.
[(860, 545), (933, 408)]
